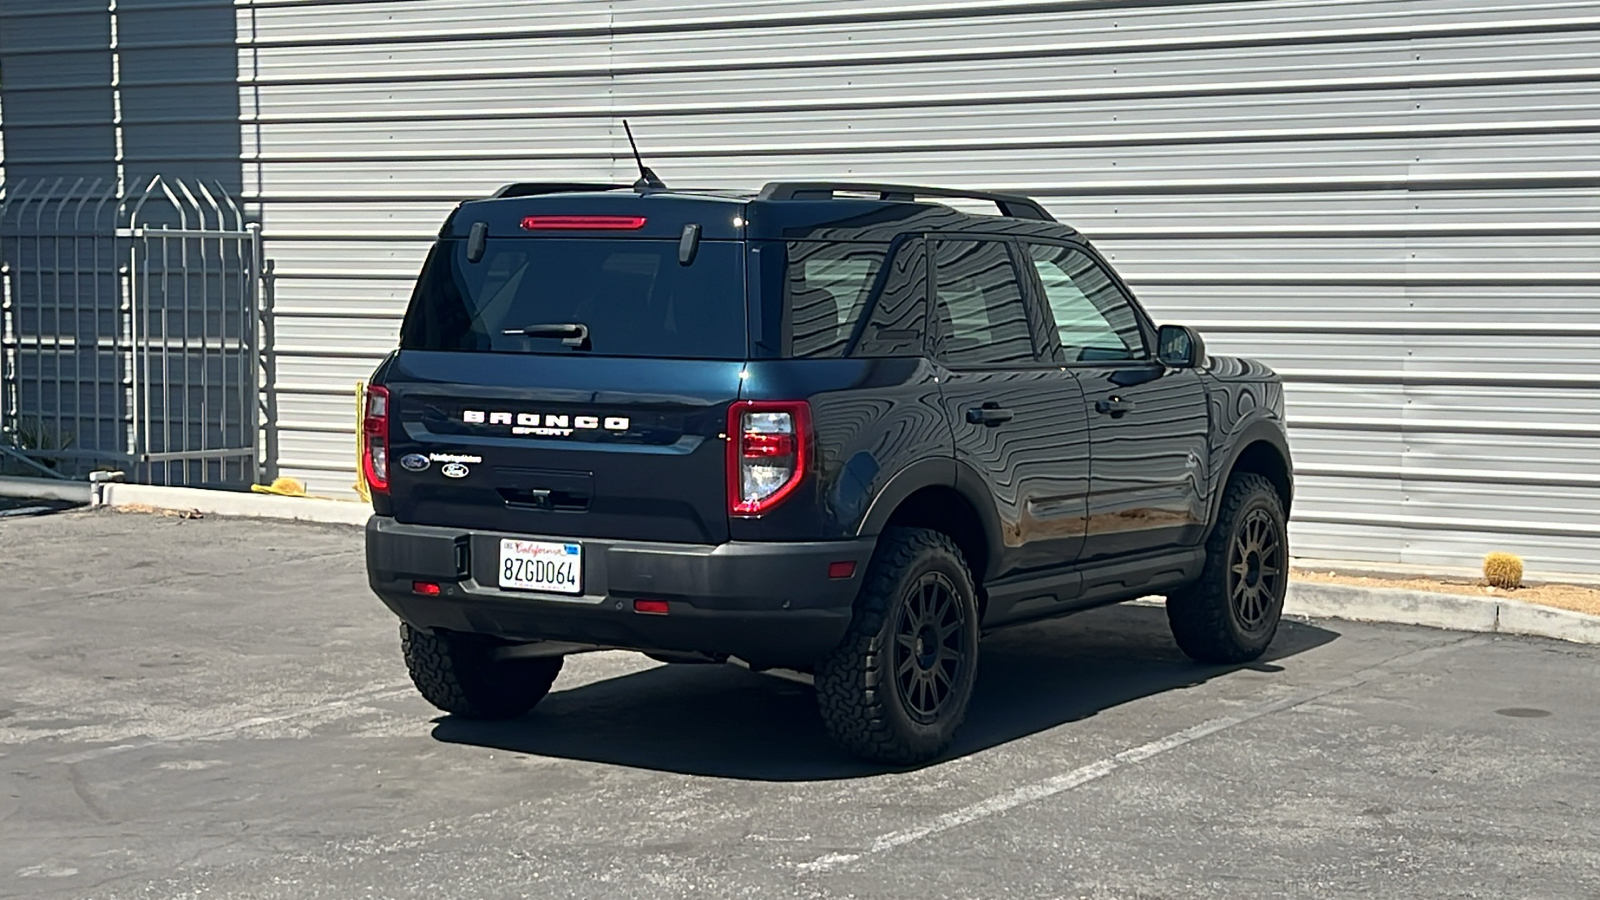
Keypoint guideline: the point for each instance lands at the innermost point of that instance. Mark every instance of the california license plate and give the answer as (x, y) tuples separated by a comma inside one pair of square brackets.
[(541, 566)]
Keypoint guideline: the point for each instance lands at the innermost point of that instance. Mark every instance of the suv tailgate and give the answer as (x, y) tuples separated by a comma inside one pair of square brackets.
[(569, 445)]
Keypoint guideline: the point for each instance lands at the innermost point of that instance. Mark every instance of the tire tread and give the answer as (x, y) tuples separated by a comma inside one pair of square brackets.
[(852, 683), (458, 677)]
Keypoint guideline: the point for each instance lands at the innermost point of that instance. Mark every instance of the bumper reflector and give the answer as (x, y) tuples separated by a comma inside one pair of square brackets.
[(844, 568), (651, 607)]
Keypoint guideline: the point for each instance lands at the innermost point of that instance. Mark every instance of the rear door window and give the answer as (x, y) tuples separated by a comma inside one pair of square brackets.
[(980, 316), (633, 296)]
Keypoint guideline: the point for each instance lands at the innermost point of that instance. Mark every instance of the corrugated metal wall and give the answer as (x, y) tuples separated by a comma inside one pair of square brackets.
[(1394, 203), (121, 88)]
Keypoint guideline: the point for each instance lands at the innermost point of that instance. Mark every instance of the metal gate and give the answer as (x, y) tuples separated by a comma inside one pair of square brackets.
[(129, 331)]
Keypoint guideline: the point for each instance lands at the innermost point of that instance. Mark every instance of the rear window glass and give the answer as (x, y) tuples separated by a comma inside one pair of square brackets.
[(828, 286), (633, 297)]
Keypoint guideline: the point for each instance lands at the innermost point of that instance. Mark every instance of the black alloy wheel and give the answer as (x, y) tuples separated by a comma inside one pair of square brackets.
[(930, 646), (1256, 570), (1230, 614)]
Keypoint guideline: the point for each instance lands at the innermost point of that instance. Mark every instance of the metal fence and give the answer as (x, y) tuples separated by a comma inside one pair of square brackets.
[(129, 331)]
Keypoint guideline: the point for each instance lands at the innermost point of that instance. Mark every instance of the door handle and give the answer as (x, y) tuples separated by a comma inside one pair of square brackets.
[(990, 414), (1115, 407)]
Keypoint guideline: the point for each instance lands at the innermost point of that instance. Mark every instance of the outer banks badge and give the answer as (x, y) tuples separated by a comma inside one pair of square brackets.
[(454, 465)]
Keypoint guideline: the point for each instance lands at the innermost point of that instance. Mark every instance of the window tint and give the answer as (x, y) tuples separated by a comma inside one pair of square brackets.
[(633, 295), (980, 314), (1095, 319), (826, 288), (900, 313)]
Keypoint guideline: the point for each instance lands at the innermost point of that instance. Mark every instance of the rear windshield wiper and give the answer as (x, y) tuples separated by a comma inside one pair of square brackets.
[(573, 334)]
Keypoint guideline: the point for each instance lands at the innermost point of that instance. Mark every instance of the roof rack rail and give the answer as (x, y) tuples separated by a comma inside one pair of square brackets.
[(1013, 205), (535, 188)]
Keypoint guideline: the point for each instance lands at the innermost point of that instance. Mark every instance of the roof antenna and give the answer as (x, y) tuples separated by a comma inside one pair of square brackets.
[(647, 178)]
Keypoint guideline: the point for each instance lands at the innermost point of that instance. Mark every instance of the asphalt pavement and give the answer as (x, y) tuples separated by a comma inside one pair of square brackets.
[(217, 708)]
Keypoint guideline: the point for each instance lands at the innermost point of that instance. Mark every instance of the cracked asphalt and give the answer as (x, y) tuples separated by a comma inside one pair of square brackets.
[(217, 708)]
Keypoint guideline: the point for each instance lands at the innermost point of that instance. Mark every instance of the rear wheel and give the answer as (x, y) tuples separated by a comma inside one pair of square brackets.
[(898, 686), (1231, 614), (460, 675)]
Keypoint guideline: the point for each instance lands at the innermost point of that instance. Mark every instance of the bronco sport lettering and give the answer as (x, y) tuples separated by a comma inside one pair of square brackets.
[(530, 423)]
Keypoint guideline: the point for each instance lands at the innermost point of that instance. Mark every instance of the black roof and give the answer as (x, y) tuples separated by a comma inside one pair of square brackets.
[(829, 210)]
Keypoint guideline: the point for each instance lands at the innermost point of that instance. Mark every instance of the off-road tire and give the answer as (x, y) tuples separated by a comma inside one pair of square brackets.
[(1212, 621), (458, 674), (867, 706)]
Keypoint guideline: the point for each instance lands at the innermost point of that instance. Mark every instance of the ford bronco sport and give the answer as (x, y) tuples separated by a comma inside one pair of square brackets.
[(839, 428)]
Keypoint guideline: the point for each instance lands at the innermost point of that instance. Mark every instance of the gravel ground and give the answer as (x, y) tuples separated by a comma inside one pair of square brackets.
[(1577, 598)]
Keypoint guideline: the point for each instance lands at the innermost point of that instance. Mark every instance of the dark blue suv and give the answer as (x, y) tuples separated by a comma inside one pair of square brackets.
[(838, 428)]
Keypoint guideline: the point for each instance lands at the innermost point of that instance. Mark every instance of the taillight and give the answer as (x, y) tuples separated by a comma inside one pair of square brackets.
[(375, 426), (767, 446)]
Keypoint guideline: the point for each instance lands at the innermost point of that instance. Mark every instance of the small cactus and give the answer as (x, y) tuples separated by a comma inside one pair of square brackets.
[(1503, 570)]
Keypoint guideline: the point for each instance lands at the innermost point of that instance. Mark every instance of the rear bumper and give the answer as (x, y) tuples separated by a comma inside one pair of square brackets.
[(766, 603)]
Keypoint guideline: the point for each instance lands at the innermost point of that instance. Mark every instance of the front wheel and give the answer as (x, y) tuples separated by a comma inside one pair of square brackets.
[(1231, 614), (462, 676), (898, 686)]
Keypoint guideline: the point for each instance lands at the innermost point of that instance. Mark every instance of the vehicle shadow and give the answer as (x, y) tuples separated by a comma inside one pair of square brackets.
[(21, 508), (727, 722)]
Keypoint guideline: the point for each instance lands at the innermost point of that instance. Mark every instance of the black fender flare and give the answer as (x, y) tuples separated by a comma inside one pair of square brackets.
[(923, 473), (947, 473), (1261, 428)]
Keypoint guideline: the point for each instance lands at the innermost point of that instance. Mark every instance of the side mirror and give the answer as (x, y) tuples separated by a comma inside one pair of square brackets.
[(1180, 347)]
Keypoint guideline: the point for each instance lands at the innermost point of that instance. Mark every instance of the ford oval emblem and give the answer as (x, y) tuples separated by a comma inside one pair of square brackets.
[(414, 462), (454, 470)]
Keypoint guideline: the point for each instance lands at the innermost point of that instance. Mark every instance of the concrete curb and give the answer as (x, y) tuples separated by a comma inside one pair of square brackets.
[(232, 503), (208, 502), (1456, 612)]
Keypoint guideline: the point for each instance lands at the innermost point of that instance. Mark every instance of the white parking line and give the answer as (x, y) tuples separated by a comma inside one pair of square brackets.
[(1082, 775)]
